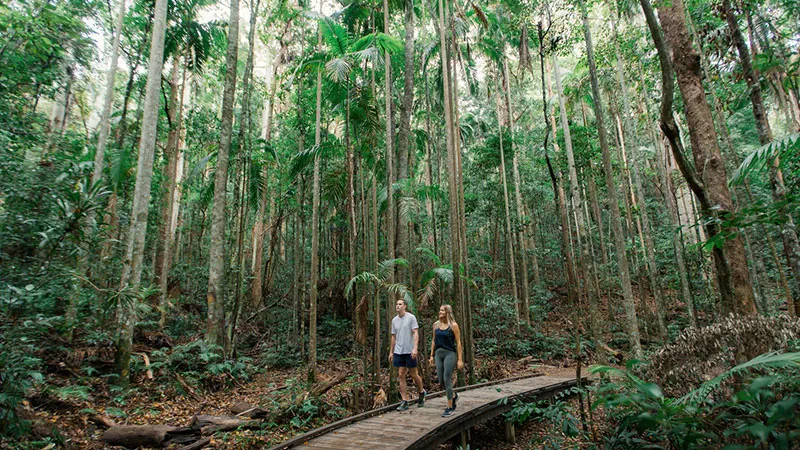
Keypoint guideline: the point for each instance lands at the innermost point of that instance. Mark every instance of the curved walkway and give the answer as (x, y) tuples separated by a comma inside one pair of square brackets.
[(422, 428)]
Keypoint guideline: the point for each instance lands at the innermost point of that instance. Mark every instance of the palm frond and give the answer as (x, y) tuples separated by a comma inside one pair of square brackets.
[(402, 290), (338, 69), (763, 157), (430, 254), (480, 14), (384, 267), (388, 43), (429, 283), (409, 208), (335, 36), (362, 278), (773, 359), (200, 166)]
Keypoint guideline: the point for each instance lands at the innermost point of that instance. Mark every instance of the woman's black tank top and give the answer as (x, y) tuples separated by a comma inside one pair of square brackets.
[(444, 339)]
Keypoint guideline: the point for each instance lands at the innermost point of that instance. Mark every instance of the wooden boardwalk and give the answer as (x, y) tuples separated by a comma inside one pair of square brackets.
[(423, 428)]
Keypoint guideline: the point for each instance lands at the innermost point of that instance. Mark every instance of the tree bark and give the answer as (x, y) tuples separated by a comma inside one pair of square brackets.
[(108, 100), (404, 136), (708, 179), (510, 236), (163, 253), (215, 319), (645, 234), (134, 255)]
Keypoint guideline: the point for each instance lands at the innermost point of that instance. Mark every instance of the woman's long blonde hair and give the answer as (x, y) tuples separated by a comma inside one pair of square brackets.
[(450, 318)]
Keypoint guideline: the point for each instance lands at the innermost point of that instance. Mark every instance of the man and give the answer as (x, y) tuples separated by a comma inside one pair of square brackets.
[(405, 337)]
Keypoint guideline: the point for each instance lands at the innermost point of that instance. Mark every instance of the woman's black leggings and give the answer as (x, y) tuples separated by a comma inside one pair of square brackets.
[(445, 365)]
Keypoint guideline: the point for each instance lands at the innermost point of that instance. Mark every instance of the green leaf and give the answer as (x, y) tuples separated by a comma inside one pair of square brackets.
[(760, 431), (652, 390)]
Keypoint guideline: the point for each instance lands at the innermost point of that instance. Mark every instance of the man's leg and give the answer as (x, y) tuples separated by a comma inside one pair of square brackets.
[(401, 377), (417, 379)]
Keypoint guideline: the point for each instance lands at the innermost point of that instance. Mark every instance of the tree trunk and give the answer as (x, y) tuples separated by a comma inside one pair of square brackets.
[(243, 162), (430, 148), (404, 136), (510, 236), (519, 235), (645, 234), (616, 221), (390, 177), (315, 193), (709, 183), (134, 255), (163, 254), (104, 126), (215, 321)]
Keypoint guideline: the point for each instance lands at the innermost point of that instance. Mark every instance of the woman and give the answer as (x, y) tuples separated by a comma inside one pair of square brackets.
[(446, 349)]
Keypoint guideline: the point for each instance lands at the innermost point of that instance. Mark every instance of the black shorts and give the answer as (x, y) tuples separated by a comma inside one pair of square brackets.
[(404, 360)]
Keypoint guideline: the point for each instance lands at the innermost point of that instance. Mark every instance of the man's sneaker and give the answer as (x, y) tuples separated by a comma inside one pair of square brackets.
[(448, 412), (421, 401), (403, 406), (455, 399)]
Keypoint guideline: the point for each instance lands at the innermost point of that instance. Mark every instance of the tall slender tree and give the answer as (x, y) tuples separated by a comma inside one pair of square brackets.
[(632, 323), (132, 264), (215, 319)]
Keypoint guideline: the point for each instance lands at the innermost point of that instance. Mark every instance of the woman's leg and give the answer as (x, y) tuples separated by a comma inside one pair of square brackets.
[(449, 365), (439, 360)]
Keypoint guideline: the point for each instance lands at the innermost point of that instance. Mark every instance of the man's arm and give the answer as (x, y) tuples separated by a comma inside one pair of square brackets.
[(415, 332), (391, 348)]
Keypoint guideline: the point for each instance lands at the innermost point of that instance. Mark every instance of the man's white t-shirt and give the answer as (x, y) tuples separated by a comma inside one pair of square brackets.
[(403, 329)]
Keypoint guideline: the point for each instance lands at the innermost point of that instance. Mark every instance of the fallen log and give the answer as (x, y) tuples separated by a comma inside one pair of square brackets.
[(320, 389), (244, 409), (211, 424), (135, 436)]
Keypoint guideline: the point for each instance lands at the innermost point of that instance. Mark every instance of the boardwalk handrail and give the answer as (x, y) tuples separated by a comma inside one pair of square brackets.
[(317, 432)]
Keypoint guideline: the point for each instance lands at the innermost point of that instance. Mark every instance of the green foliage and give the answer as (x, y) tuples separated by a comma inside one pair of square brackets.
[(19, 372), (201, 364), (559, 415), (760, 412), (495, 332)]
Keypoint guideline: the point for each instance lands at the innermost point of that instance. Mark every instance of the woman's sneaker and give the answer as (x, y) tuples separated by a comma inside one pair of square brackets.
[(448, 412), (403, 406), (421, 401), (455, 399)]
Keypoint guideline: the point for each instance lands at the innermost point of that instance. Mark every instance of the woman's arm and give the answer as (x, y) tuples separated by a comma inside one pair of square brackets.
[(433, 339), (457, 333)]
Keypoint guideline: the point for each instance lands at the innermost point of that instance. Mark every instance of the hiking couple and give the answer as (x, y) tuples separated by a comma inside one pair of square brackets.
[(445, 351)]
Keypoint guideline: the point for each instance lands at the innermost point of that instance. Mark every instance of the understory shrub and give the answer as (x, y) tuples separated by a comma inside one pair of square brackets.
[(763, 411), (201, 364)]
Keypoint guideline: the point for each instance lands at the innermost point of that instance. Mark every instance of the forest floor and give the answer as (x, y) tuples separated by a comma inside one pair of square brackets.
[(160, 402)]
